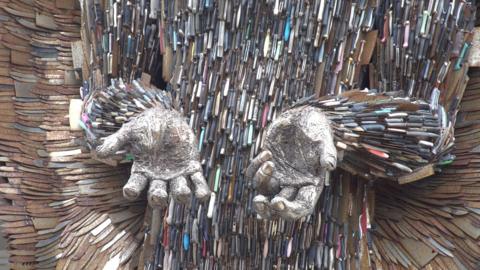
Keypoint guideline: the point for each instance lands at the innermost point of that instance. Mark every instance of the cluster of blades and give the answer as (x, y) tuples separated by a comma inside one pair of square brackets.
[(60, 207), (388, 137), (434, 222), (106, 110)]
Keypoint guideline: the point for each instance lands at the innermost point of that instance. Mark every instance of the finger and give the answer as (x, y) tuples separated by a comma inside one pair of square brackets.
[(287, 193), (263, 180), (202, 190), (257, 162), (180, 190), (108, 147), (261, 205), (328, 161), (328, 158), (113, 143), (134, 187), (157, 193), (303, 205)]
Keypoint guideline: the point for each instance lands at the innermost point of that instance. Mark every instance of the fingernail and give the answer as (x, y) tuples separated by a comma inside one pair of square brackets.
[(265, 155), (279, 206), (267, 168)]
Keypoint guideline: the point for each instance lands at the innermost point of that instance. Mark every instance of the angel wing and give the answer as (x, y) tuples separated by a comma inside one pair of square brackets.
[(429, 224), (433, 224), (62, 209), (106, 110)]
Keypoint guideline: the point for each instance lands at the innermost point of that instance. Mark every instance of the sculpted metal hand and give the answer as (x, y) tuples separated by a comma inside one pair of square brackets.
[(289, 174), (165, 151)]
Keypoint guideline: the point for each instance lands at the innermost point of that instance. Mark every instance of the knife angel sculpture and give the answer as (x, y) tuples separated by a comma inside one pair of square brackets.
[(63, 209)]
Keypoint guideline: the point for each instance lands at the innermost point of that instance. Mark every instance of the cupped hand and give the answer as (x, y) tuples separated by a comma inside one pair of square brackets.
[(289, 174)]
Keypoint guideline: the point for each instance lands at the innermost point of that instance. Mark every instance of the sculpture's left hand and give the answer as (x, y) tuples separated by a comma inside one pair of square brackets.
[(289, 174)]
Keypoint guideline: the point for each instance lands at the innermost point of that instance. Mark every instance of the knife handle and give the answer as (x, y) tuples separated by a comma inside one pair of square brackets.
[(459, 62), (406, 34), (385, 29)]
